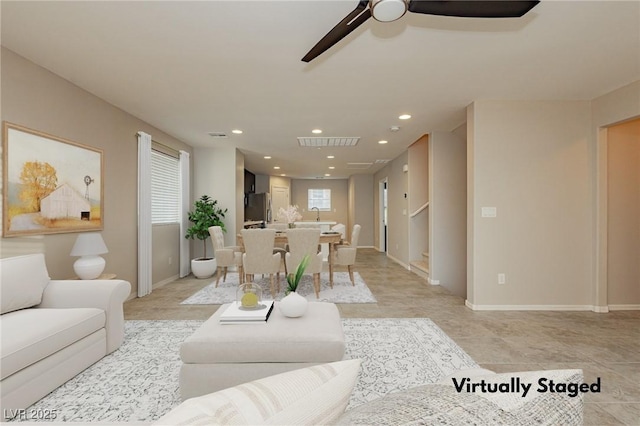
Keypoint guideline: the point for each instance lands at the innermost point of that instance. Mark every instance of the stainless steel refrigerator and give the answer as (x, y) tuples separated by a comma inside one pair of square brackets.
[(258, 207)]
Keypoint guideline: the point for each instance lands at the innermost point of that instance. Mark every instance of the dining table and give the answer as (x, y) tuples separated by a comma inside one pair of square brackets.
[(332, 238)]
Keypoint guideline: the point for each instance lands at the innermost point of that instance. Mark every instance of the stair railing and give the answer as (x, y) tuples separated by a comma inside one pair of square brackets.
[(424, 206)]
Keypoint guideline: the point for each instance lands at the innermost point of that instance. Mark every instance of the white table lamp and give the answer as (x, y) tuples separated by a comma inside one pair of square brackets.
[(89, 246)]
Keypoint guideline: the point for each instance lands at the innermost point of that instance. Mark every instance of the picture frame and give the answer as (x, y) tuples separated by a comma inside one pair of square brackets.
[(50, 185)]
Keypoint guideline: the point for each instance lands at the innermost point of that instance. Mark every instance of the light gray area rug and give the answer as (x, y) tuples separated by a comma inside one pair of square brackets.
[(342, 292), (139, 382)]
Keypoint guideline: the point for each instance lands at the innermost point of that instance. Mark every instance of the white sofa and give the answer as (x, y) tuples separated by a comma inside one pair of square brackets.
[(52, 329)]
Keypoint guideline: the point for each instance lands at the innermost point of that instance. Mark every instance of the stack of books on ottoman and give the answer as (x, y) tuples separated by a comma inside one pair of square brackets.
[(235, 313)]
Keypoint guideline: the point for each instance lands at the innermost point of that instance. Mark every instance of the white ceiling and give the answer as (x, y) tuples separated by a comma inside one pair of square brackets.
[(190, 68)]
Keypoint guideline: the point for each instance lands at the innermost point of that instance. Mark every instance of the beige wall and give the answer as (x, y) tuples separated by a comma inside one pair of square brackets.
[(219, 173), (361, 189), (339, 198), (36, 98), (418, 162), (239, 195), (531, 160), (418, 195), (165, 259), (623, 156), (471, 194), (448, 212), (397, 214)]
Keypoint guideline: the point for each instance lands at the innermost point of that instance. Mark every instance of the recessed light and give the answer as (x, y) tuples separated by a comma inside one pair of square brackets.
[(383, 142), (327, 174), (331, 167), (282, 174), (267, 157), (276, 167), (331, 156), (237, 131), (316, 131), (405, 117)]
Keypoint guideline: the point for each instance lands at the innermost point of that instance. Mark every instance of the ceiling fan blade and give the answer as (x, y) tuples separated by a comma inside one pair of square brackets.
[(473, 8), (352, 21)]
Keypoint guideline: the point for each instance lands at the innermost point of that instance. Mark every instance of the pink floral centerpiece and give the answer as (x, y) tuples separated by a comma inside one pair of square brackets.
[(289, 215)]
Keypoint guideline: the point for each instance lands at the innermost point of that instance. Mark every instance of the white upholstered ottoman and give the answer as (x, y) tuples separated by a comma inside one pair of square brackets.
[(219, 356)]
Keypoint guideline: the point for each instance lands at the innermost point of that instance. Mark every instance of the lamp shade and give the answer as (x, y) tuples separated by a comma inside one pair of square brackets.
[(89, 244)]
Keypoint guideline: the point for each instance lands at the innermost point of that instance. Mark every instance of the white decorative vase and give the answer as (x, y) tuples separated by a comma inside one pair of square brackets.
[(203, 268), (293, 305)]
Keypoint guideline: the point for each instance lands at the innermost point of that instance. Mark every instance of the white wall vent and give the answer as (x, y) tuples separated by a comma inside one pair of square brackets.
[(218, 135), (382, 161), (316, 142)]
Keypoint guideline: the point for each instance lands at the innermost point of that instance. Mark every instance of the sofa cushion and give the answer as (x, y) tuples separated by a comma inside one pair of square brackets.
[(442, 404), (30, 335), (22, 281), (312, 396)]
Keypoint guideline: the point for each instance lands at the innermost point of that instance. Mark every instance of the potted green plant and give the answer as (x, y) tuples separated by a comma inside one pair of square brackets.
[(206, 213), (293, 305)]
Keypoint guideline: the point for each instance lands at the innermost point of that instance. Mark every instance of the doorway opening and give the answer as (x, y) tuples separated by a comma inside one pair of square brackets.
[(618, 241), (383, 197)]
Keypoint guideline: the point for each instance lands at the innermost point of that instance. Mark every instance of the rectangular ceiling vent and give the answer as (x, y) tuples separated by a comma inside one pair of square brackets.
[(359, 166), (317, 142), (218, 135), (382, 161)]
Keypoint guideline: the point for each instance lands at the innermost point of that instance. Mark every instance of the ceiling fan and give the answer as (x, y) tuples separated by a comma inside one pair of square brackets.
[(391, 10)]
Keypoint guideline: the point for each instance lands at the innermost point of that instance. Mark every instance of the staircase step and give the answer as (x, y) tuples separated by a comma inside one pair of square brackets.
[(420, 267)]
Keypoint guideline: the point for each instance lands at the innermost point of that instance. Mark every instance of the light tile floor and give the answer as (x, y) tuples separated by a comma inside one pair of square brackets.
[(603, 345)]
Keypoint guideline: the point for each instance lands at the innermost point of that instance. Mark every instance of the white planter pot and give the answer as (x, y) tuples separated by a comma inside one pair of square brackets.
[(293, 305), (203, 268)]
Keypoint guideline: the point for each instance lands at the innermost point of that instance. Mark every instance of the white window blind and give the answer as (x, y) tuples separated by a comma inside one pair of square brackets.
[(320, 198), (165, 188)]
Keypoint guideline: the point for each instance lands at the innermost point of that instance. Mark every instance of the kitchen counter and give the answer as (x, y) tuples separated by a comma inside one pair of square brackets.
[(322, 222)]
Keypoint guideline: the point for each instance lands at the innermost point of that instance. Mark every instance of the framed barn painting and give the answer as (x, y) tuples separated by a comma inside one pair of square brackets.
[(50, 185)]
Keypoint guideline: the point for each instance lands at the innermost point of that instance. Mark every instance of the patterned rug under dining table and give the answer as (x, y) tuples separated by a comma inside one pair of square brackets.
[(325, 238)]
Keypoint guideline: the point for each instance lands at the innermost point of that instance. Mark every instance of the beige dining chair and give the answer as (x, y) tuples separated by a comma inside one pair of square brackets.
[(339, 227), (304, 241), (344, 254), (225, 255), (280, 248), (259, 258)]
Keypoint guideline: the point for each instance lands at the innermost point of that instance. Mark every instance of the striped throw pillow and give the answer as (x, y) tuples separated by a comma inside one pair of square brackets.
[(313, 395)]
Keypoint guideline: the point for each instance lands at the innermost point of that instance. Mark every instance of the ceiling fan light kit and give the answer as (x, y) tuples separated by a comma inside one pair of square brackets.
[(388, 10), (391, 10)]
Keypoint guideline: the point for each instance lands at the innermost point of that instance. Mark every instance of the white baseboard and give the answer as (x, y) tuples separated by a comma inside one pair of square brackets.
[(597, 309), (624, 307), (528, 307), (433, 282), (399, 262), (164, 282)]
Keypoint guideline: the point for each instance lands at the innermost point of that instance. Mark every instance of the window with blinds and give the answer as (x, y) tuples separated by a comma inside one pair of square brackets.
[(165, 188), (320, 198)]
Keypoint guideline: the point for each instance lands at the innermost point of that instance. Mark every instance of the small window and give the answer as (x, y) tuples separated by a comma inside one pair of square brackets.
[(165, 188), (320, 198)]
